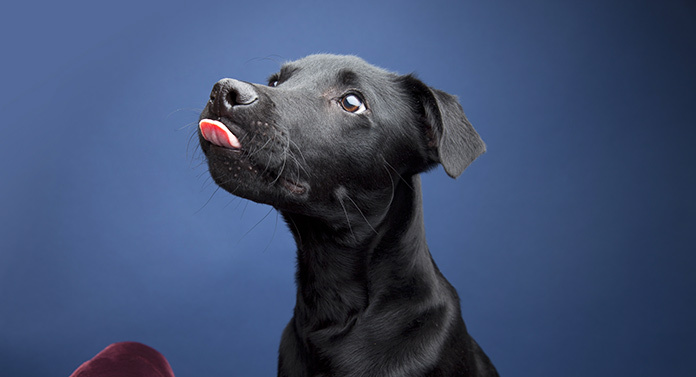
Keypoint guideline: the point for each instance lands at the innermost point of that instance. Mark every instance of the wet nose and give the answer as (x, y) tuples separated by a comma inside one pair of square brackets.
[(228, 93)]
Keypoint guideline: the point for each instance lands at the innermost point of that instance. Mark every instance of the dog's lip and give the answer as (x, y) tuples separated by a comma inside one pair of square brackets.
[(218, 134), (293, 187)]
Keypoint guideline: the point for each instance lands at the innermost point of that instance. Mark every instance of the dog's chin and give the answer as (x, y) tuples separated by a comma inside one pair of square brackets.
[(233, 171)]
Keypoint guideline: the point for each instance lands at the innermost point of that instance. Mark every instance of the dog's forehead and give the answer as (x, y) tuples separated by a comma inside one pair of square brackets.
[(337, 67)]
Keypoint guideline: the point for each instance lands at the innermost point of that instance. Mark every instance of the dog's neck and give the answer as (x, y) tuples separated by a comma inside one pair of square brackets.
[(338, 279)]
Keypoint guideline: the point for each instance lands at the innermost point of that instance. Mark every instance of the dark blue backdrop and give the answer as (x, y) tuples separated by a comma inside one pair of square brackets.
[(571, 241)]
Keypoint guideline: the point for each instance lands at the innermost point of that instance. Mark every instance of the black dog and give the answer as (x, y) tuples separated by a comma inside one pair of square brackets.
[(336, 145)]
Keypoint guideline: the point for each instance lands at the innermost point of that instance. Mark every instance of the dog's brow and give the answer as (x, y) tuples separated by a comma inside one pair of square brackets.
[(348, 78), (287, 70)]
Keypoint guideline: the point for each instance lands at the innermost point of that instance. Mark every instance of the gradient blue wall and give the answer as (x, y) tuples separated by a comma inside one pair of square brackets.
[(571, 241)]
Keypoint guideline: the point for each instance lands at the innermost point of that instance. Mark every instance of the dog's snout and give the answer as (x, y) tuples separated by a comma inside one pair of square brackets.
[(228, 93)]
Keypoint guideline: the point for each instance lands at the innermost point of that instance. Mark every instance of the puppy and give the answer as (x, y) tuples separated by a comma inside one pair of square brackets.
[(336, 145)]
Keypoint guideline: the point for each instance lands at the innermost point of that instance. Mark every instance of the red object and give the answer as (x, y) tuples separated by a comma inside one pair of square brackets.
[(217, 133), (126, 359)]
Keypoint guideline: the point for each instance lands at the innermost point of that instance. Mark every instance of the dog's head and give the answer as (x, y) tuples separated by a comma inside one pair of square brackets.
[(329, 130)]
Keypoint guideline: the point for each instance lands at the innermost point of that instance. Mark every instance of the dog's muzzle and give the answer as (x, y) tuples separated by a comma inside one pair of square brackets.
[(226, 96)]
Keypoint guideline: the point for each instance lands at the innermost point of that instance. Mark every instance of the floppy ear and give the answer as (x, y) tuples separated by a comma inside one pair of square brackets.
[(455, 139)]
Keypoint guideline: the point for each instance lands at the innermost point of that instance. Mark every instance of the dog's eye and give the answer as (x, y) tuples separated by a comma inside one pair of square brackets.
[(274, 80), (352, 103)]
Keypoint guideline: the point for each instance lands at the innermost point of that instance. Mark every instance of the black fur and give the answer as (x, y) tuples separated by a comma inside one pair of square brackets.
[(370, 299)]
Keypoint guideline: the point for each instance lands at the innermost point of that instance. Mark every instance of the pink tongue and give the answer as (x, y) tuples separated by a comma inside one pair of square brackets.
[(218, 134)]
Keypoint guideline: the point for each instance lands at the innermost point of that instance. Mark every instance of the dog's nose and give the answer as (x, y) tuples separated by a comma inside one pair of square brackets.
[(228, 93)]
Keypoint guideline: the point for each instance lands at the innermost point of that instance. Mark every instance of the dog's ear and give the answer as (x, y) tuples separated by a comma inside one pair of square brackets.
[(458, 144), (453, 140)]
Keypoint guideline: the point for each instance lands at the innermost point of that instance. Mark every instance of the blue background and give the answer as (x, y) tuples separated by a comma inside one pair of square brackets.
[(571, 241)]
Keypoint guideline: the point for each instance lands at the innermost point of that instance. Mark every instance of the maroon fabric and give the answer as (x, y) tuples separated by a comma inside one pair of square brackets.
[(126, 359)]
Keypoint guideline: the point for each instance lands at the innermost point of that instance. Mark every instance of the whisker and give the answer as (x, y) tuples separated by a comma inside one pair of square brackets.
[(299, 150), (272, 58), (397, 173), (246, 205), (275, 228), (393, 187), (255, 225), (361, 213), (340, 200), (289, 148), (282, 167), (207, 201), (260, 148), (297, 231), (193, 110), (188, 146), (188, 125)]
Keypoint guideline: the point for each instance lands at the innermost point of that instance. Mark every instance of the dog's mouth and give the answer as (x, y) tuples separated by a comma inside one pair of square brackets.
[(219, 135)]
